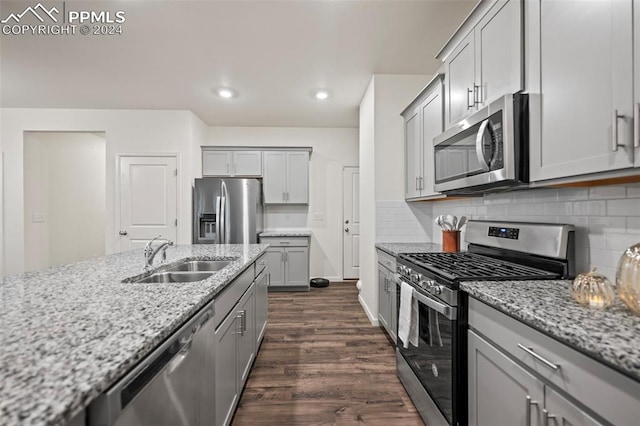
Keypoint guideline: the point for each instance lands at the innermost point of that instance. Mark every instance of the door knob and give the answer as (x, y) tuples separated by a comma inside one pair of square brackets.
[(346, 221), (346, 229), (123, 233)]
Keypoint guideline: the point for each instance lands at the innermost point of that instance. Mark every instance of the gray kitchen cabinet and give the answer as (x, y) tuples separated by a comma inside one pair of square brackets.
[(423, 121), (246, 313), (288, 262), (226, 376), (582, 101), (636, 80), (514, 369), (226, 162), (262, 305), (387, 303), (286, 177), (484, 59)]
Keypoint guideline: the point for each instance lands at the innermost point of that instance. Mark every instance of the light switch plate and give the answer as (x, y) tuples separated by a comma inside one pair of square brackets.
[(38, 217)]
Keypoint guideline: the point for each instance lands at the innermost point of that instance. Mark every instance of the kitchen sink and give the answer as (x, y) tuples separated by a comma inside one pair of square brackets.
[(200, 265), (175, 277)]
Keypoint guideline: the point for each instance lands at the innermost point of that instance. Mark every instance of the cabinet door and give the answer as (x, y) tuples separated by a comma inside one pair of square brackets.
[(246, 337), (274, 256), (297, 187), (383, 298), (498, 49), (247, 163), (432, 125), (296, 263), (459, 84), (500, 391), (636, 80), (562, 412), (273, 183), (393, 309), (226, 379), (412, 154), (216, 163), (585, 79), (262, 305)]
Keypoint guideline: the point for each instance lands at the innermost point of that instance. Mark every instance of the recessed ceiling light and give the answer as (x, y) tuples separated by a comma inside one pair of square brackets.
[(226, 93), (321, 94)]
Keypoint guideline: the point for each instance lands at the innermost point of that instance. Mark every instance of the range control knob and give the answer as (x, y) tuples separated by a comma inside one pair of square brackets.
[(436, 289)]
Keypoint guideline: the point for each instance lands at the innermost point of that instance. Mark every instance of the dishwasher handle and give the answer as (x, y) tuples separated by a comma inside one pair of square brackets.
[(105, 410)]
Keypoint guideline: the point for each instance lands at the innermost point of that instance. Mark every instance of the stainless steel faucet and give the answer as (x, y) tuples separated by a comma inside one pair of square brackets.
[(150, 252)]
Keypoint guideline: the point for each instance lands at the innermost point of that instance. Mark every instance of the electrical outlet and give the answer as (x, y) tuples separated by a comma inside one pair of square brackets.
[(318, 217), (38, 217)]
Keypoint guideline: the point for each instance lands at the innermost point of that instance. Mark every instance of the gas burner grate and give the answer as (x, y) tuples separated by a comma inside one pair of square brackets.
[(470, 266)]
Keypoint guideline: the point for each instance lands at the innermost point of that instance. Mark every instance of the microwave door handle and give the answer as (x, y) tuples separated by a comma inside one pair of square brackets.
[(482, 131)]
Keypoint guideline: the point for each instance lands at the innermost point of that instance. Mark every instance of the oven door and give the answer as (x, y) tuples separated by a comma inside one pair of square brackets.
[(433, 360)]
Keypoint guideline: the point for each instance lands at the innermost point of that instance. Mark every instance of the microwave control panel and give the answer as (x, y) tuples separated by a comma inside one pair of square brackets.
[(509, 233)]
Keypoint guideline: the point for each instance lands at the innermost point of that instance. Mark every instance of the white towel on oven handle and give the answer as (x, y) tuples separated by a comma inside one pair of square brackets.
[(408, 316)]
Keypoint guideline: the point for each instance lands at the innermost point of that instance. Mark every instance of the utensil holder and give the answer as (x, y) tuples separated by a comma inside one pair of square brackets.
[(451, 241)]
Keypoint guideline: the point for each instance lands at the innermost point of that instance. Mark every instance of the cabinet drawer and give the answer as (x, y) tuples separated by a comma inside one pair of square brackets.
[(610, 394), (225, 301), (286, 241), (387, 260)]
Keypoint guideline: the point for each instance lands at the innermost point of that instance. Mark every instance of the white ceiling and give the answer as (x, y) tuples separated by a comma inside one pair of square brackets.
[(274, 53)]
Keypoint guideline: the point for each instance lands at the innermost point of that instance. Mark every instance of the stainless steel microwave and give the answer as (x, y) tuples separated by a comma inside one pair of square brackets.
[(489, 151)]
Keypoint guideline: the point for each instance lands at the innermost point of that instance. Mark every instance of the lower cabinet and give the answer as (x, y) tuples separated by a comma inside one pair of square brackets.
[(288, 262), (262, 305), (556, 386), (387, 295)]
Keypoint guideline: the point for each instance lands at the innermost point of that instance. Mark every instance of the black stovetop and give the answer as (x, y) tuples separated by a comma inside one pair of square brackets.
[(465, 266)]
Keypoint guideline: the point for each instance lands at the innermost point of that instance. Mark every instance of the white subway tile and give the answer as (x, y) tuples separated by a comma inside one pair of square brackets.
[(620, 242), (633, 225), (573, 194), (607, 225), (596, 241), (562, 209), (606, 258), (590, 208), (609, 191), (628, 207), (522, 196), (497, 199), (545, 195), (633, 190)]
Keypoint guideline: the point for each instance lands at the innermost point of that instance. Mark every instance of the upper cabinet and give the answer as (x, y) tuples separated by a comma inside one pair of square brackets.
[(484, 59), (216, 162), (581, 71), (423, 120), (286, 177)]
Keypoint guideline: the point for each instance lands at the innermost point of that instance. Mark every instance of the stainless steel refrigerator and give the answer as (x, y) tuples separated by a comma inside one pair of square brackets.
[(227, 211)]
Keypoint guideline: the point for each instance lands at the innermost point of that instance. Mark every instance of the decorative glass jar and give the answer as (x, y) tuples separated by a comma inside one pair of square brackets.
[(593, 289), (628, 278)]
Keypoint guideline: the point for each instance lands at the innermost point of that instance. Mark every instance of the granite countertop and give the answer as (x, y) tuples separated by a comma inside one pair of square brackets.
[(286, 233), (395, 249), (68, 333), (609, 336)]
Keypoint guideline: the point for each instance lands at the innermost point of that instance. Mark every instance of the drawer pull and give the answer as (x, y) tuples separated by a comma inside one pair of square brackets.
[(546, 417), (538, 357), (528, 409)]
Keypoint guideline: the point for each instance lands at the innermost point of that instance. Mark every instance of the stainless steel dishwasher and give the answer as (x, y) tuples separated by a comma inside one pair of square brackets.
[(173, 386)]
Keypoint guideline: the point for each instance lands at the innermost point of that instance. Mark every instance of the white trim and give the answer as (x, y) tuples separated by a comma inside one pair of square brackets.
[(116, 201), (344, 168), (372, 320)]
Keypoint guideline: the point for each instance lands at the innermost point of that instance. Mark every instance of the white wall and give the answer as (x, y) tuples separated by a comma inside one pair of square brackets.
[(64, 179), (126, 131), (381, 166), (333, 148)]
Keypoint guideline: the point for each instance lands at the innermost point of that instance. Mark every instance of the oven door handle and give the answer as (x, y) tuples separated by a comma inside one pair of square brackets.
[(448, 311)]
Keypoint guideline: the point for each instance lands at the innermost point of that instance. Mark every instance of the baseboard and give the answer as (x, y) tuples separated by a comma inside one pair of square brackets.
[(373, 320)]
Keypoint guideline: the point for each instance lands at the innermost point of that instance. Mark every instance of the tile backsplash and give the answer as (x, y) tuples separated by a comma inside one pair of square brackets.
[(607, 218)]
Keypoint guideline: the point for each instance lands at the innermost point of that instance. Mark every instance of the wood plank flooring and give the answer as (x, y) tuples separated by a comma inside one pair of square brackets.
[(322, 363)]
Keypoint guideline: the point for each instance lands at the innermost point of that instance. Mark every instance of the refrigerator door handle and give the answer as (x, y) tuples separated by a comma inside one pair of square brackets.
[(223, 218), (218, 236)]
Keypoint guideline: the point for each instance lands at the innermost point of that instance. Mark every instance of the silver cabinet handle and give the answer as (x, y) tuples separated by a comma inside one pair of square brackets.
[(243, 321), (528, 409), (614, 130), (420, 186), (538, 357), (469, 104), (477, 95), (282, 257), (239, 329), (123, 233), (416, 183), (546, 416), (636, 126)]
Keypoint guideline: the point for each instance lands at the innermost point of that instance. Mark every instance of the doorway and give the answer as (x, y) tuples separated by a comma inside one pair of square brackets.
[(351, 223), (64, 197)]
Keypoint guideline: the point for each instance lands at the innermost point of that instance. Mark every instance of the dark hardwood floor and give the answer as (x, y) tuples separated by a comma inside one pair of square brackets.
[(323, 363)]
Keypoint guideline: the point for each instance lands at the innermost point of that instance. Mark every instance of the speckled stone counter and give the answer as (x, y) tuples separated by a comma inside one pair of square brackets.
[(69, 332), (285, 233), (610, 336), (395, 249)]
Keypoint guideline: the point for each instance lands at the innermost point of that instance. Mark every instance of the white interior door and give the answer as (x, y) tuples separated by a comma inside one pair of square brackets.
[(351, 223), (148, 199)]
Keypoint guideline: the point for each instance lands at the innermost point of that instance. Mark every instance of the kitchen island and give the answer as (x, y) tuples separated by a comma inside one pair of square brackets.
[(69, 332)]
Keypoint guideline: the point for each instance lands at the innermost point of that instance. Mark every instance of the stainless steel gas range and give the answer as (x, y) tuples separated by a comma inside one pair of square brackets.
[(435, 372)]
